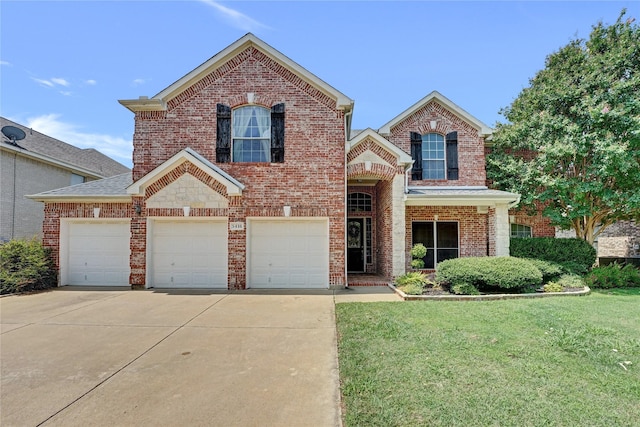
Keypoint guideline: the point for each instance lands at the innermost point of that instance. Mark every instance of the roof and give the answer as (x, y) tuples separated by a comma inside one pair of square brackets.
[(459, 196), (159, 101), (87, 161), (114, 187), (483, 129), (403, 158)]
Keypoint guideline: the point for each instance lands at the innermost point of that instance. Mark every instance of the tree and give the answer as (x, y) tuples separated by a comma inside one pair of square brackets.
[(572, 141)]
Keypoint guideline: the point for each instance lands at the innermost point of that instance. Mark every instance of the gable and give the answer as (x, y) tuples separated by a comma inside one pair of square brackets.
[(187, 190), (431, 101), (227, 60)]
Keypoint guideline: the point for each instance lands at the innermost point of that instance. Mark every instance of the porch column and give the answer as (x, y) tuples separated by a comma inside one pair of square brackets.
[(503, 233), (398, 226)]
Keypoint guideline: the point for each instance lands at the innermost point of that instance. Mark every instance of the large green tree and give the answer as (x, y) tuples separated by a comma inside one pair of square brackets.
[(572, 141)]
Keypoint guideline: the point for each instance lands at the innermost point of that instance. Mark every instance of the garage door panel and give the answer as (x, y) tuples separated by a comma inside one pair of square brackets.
[(288, 254), (98, 253), (189, 254)]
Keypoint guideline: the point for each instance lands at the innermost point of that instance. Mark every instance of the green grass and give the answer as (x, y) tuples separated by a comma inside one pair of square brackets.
[(540, 362)]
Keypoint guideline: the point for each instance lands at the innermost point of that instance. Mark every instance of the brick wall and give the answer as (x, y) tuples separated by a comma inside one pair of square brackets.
[(471, 159), (621, 239), (312, 178)]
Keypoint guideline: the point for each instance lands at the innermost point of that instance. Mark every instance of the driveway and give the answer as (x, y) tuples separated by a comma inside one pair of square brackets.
[(77, 356)]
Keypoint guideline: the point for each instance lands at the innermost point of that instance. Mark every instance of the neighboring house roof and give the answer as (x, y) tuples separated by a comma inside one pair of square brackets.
[(233, 186), (436, 96), (159, 101), (86, 161), (111, 188), (459, 196)]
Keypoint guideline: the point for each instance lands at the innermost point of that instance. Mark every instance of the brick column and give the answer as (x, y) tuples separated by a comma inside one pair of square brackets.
[(138, 259), (237, 246), (398, 226)]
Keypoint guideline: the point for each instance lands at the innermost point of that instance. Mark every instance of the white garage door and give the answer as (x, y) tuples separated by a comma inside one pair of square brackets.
[(288, 253), (98, 253), (189, 254)]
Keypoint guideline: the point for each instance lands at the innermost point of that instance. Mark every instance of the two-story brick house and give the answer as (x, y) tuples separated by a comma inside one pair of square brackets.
[(246, 174)]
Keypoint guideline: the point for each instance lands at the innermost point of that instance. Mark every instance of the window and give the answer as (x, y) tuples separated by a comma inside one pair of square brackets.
[(440, 239), (520, 230), (433, 164), (76, 179), (359, 202), (250, 134), (435, 156)]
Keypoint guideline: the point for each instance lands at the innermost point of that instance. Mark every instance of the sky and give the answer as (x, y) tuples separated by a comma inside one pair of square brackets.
[(65, 64)]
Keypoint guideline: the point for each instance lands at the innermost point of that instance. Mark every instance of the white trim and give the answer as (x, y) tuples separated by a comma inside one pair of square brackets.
[(490, 200), (159, 101), (234, 187), (483, 129)]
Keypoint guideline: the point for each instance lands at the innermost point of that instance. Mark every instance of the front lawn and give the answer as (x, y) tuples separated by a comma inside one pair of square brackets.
[(552, 361)]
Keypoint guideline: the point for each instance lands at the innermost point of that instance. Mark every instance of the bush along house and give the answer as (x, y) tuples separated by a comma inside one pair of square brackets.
[(246, 174)]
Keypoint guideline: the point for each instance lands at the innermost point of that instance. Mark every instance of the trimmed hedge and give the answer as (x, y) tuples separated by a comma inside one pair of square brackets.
[(613, 276), (25, 265), (489, 273), (575, 255)]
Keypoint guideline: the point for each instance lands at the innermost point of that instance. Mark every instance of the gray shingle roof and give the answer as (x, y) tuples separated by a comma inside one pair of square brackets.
[(87, 158), (454, 191), (109, 187)]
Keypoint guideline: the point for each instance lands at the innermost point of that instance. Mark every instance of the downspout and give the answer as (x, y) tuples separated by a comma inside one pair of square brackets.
[(347, 134)]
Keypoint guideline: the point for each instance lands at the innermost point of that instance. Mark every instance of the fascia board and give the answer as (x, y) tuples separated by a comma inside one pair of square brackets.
[(51, 161), (459, 200), (483, 129), (403, 158), (85, 198), (159, 101)]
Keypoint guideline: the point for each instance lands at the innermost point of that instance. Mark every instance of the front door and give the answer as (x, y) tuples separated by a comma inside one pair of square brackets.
[(355, 245)]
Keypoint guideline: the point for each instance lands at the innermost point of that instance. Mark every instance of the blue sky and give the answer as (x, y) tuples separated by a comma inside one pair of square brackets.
[(64, 65)]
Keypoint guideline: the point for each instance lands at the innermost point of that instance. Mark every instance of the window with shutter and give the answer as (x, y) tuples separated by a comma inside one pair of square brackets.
[(433, 156)]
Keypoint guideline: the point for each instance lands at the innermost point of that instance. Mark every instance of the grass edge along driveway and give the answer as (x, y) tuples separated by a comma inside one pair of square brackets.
[(552, 361)]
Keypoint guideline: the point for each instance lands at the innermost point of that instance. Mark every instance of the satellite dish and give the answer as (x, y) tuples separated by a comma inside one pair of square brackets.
[(13, 133)]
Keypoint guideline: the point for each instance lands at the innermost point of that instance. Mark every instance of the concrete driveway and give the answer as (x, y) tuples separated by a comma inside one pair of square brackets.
[(77, 356)]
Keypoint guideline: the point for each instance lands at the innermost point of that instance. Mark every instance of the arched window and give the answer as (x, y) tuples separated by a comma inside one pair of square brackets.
[(359, 202)]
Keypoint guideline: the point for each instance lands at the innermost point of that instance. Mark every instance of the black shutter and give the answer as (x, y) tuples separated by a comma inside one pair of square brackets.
[(416, 155), (277, 133), (452, 155), (223, 133)]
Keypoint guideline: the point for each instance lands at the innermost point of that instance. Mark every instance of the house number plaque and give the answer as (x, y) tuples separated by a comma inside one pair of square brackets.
[(236, 226)]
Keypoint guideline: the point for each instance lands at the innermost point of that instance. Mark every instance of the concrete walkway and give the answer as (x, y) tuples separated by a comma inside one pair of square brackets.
[(81, 357)]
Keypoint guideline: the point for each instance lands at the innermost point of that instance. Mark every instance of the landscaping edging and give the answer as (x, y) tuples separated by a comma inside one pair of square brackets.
[(406, 297)]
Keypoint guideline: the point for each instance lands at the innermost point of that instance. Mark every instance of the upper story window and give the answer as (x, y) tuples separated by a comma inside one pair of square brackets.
[(76, 179), (435, 156), (520, 230), (359, 202), (250, 134)]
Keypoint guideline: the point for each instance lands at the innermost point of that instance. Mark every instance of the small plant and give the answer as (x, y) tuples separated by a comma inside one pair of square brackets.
[(464, 289), (613, 276), (571, 281), (553, 287), (412, 283), (418, 251), (25, 265)]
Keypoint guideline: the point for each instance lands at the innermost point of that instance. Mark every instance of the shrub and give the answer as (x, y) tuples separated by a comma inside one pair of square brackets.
[(25, 265), (550, 270), (465, 289), (412, 283), (576, 255), (418, 251), (613, 276), (553, 287), (571, 281), (486, 273)]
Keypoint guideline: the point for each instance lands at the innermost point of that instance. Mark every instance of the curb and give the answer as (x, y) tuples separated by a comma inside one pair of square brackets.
[(493, 297)]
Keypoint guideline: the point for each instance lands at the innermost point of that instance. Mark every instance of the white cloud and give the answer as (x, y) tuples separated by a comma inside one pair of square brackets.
[(43, 82), (90, 82), (119, 149), (66, 92), (234, 18), (138, 82), (6, 63), (60, 81)]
